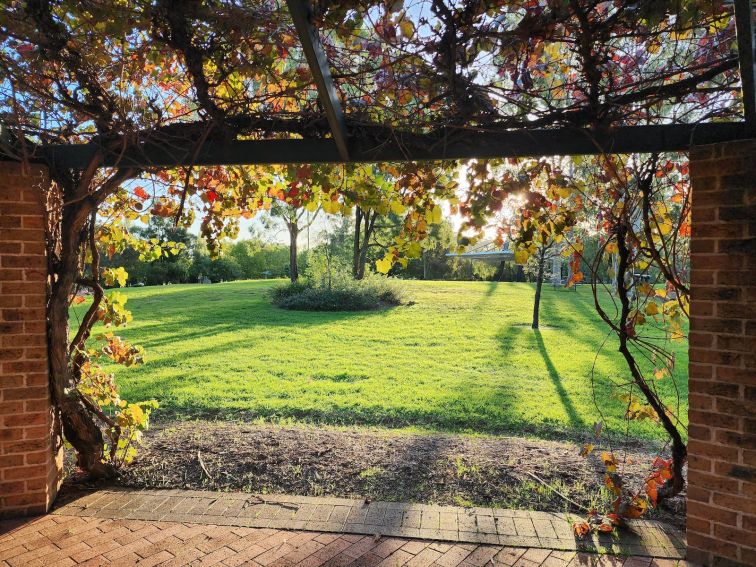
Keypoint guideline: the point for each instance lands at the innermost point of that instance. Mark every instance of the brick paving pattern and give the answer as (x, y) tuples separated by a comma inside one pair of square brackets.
[(65, 540), (515, 528), (178, 527)]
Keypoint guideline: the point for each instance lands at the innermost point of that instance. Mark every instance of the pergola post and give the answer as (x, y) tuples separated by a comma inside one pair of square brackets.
[(30, 464), (722, 387)]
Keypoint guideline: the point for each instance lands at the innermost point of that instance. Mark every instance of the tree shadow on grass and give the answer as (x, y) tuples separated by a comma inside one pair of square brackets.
[(177, 324), (517, 337), (575, 420)]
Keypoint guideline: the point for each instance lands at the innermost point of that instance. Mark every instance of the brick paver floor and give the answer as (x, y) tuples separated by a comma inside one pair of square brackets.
[(123, 527)]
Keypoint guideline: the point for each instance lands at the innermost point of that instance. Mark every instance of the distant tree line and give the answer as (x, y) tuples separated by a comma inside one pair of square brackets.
[(245, 259), (254, 258)]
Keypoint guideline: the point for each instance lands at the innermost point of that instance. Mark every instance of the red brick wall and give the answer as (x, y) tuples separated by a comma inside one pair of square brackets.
[(722, 465), (29, 468)]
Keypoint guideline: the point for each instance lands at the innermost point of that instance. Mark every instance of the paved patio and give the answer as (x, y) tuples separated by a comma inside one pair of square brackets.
[(173, 527)]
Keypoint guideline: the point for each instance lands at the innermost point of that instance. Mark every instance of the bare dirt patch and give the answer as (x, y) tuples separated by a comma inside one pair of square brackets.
[(447, 469)]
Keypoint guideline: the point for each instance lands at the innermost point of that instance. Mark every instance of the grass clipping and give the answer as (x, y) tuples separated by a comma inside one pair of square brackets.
[(344, 294)]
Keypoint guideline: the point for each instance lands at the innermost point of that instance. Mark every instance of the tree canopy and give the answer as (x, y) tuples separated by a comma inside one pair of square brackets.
[(168, 70)]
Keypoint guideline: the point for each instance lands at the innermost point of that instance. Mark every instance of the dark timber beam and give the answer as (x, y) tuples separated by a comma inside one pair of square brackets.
[(318, 63), (463, 144), (745, 29)]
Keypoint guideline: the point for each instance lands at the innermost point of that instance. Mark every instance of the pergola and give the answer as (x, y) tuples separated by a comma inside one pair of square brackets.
[(449, 143), (722, 448)]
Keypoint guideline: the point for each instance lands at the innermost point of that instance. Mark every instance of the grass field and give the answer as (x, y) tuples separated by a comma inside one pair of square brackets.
[(461, 358)]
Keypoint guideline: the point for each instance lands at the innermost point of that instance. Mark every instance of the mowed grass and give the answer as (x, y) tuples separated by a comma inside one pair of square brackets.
[(461, 358)]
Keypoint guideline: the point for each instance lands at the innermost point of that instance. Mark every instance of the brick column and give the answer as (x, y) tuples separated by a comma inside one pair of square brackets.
[(29, 467), (722, 432)]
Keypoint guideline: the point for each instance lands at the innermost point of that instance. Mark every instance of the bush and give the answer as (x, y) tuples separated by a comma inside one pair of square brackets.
[(281, 293), (373, 292)]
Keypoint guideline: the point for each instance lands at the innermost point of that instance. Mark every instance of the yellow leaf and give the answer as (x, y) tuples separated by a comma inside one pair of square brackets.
[(414, 249), (407, 27), (331, 207), (397, 208), (435, 216), (609, 463), (652, 308), (384, 265), (521, 256)]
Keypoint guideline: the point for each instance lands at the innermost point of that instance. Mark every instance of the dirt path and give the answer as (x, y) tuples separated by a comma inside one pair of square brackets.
[(376, 464)]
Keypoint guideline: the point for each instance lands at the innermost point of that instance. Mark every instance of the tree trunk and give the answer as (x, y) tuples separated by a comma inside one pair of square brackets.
[(539, 285), (356, 246), (79, 427), (364, 243), (293, 263)]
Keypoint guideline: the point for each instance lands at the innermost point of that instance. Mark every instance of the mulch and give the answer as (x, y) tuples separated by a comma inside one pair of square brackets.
[(437, 468)]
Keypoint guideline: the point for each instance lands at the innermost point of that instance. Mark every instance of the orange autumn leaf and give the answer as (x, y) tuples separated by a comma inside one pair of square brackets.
[(581, 529), (636, 509), (651, 492)]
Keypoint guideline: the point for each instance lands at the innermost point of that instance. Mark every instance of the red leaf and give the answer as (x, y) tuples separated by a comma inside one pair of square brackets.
[(25, 50), (141, 194)]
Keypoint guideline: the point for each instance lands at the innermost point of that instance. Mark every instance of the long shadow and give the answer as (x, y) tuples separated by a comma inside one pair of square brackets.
[(575, 419), (491, 288)]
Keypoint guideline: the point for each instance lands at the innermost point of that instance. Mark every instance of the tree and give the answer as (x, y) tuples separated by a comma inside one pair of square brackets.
[(639, 206), (296, 220), (544, 214), (257, 259), (167, 267), (544, 221), (536, 266), (433, 262), (364, 226), (645, 213)]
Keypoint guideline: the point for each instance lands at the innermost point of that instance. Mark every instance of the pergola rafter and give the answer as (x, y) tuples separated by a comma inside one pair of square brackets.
[(318, 62), (459, 144)]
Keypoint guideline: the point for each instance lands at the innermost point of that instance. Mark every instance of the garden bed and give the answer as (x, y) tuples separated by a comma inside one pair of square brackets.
[(377, 464)]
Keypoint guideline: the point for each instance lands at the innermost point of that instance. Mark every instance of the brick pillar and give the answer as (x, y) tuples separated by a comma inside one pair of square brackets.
[(29, 467), (722, 432)]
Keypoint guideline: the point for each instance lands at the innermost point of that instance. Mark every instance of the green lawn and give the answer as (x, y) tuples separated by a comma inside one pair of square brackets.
[(462, 358)]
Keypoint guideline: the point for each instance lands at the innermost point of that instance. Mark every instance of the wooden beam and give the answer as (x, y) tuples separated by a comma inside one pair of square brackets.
[(405, 147), (321, 73), (745, 29)]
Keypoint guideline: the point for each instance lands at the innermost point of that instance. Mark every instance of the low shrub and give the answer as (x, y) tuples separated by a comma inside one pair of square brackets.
[(373, 292), (281, 293)]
